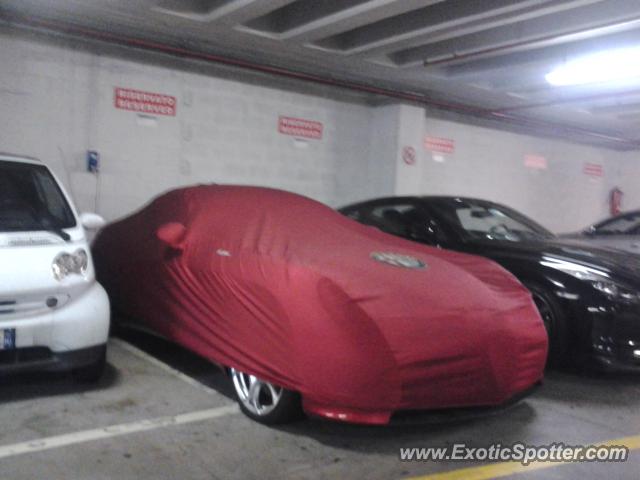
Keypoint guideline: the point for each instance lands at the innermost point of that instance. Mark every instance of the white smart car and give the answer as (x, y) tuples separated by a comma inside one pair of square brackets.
[(53, 314)]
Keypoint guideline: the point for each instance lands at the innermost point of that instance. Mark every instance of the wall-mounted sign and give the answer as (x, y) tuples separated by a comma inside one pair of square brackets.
[(144, 102), (535, 162), (299, 127), (93, 161), (439, 145), (593, 170), (409, 155)]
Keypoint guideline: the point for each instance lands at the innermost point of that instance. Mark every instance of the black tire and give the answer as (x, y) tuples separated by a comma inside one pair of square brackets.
[(555, 323), (90, 373), (288, 408)]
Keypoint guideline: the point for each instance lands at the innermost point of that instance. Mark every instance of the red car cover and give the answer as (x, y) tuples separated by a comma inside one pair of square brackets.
[(361, 323)]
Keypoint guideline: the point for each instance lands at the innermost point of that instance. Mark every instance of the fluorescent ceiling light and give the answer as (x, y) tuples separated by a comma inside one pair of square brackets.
[(601, 67)]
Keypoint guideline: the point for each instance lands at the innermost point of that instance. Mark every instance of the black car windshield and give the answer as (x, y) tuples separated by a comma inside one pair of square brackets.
[(480, 220), (31, 200), (621, 225)]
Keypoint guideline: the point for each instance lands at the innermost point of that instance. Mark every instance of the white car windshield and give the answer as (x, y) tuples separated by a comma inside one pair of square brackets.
[(31, 200)]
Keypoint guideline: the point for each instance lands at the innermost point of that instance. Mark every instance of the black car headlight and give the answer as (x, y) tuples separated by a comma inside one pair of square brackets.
[(615, 291), (66, 264), (598, 279)]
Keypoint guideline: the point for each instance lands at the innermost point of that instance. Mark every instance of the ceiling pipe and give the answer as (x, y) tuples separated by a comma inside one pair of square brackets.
[(235, 62), (553, 128), (576, 99)]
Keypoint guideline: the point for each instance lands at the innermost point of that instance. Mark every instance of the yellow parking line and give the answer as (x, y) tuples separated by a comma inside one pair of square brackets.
[(503, 469)]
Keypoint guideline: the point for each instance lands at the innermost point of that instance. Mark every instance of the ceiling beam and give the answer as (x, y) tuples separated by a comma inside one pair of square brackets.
[(316, 24), (431, 23), (231, 11), (554, 27)]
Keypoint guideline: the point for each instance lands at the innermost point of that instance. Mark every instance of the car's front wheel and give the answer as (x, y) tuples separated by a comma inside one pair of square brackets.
[(264, 402), (554, 323)]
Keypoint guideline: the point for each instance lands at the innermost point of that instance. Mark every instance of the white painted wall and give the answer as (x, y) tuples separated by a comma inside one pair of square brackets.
[(628, 180), (56, 102), (489, 164)]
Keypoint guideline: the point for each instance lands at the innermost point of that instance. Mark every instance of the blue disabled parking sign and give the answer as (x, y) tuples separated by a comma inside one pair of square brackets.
[(93, 161)]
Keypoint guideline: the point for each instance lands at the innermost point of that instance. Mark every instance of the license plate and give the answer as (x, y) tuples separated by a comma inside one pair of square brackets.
[(7, 339)]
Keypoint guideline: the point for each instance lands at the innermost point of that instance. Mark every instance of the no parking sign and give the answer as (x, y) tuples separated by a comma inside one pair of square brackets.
[(409, 155)]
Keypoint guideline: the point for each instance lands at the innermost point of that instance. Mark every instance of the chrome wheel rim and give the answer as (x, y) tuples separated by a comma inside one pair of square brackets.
[(257, 396)]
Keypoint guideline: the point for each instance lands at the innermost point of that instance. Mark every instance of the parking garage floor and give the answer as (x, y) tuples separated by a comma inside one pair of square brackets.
[(162, 413)]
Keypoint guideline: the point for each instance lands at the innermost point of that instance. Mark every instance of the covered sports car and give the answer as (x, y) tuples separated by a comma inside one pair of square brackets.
[(308, 308)]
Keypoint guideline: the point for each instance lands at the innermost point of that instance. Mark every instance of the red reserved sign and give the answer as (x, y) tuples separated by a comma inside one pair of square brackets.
[(536, 162), (299, 127), (440, 145), (593, 170), (145, 102)]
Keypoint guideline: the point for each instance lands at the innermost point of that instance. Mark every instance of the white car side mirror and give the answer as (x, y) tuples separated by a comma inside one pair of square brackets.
[(92, 221)]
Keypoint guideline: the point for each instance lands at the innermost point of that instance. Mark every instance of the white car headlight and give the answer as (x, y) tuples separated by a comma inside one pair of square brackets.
[(70, 264)]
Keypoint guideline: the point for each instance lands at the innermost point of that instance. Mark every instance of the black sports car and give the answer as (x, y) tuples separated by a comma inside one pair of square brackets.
[(588, 297)]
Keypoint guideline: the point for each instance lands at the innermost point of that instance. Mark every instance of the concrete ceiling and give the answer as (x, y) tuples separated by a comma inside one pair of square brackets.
[(486, 57)]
